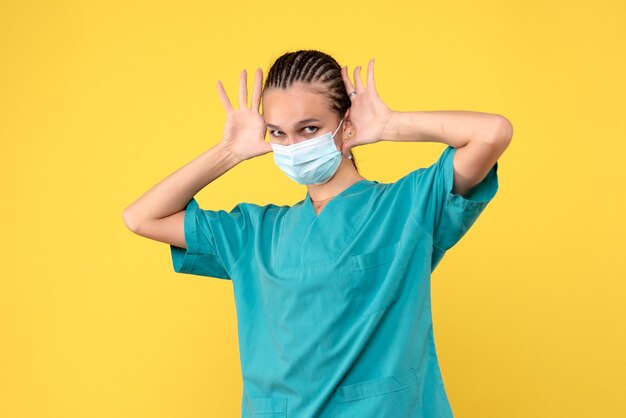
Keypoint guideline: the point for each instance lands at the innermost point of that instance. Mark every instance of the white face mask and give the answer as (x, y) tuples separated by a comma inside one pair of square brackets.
[(313, 161)]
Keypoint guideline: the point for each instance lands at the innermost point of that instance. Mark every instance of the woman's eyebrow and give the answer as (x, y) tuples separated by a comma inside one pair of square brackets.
[(269, 125)]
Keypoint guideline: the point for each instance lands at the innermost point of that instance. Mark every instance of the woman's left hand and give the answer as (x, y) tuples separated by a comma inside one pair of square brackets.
[(369, 114)]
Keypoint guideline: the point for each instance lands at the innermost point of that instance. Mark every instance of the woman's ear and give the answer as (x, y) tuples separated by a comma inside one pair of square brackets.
[(348, 127)]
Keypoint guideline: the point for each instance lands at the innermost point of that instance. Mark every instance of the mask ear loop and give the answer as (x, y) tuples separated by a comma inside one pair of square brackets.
[(349, 157), (339, 126)]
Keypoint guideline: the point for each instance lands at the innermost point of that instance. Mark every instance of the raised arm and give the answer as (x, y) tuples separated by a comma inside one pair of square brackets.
[(159, 213), (479, 138)]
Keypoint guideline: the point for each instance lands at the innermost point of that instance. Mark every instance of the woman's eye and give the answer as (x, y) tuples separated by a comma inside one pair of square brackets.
[(276, 132)]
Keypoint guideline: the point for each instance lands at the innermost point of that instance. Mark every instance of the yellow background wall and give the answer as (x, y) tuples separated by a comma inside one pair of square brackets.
[(102, 99)]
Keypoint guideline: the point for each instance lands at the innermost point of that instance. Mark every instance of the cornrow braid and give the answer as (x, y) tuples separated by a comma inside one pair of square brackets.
[(310, 66)]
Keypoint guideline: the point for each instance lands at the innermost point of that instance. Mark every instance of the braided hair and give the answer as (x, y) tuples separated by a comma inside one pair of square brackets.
[(315, 68)]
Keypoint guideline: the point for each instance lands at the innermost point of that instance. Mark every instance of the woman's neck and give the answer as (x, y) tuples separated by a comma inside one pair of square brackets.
[(345, 177)]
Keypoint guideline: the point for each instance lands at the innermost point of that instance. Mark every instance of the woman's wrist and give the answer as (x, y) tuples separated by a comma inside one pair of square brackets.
[(389, 131), (406, 126), (227, 155)]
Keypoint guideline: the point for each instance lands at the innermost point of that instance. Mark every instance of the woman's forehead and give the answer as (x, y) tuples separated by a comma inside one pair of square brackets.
[(289, 108), (291, 96)]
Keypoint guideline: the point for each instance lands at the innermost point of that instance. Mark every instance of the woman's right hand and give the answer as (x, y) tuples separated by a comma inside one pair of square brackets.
[(244, 131)]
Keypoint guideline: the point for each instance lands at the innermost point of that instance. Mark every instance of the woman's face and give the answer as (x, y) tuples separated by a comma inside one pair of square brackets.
[(297, 114)]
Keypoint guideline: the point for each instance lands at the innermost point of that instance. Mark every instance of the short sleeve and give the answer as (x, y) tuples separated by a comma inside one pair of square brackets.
[(446, 215), (215, 241)]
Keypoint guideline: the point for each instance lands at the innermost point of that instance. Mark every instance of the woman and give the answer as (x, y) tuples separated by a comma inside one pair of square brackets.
[(332, 293)]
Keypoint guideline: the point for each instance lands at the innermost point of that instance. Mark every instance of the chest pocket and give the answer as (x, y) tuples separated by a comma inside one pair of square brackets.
[(375, 278), (274, 407), (384, 397)]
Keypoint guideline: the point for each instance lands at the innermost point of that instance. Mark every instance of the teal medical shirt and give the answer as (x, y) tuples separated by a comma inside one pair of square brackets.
[(333, 311)]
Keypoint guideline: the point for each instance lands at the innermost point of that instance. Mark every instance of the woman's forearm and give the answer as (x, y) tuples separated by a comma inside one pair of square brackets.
[(453, 127), (172, 194)]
